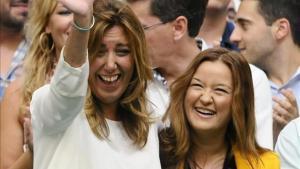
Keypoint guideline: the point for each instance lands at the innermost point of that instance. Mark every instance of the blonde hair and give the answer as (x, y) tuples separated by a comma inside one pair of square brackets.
[(177, 142), (134, 115), (40, 59)]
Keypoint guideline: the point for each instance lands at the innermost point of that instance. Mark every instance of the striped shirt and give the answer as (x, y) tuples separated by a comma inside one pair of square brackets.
[(14, 68)]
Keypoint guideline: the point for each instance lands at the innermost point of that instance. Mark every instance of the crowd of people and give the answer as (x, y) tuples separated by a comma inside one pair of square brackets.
[(171, 84)]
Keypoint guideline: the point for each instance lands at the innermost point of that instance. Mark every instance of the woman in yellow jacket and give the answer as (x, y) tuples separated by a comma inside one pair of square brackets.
[(211, 116)]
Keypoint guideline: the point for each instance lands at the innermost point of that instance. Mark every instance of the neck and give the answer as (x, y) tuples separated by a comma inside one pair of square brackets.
[(9, 38), (210, 150), (108, 109), (210, 143), (213, 27), (288, 57)]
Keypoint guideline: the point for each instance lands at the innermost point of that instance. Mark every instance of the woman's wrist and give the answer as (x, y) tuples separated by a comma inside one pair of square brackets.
[(80, 28)]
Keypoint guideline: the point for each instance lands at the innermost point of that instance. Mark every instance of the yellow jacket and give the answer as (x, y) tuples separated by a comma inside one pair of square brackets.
[(268, 160)]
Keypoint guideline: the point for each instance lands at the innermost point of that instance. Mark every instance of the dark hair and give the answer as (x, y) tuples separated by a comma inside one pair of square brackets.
[(169, 10), (272, 10)]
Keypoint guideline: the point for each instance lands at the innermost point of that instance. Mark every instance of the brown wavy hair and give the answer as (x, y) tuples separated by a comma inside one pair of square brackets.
[(134, 117), (176, 141)]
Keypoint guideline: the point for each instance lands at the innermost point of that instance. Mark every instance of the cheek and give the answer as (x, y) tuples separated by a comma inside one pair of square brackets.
[(128, 64), (224, 105), (189, 100), (191, 96), (94, 65), (59, 36)]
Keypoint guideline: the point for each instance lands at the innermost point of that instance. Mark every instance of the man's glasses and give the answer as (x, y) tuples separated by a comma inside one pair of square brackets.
[(152, 26)]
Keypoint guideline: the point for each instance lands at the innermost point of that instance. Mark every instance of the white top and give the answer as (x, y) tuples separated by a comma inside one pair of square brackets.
[(159, 96), (63, 138), (263, 108), (288, 145)]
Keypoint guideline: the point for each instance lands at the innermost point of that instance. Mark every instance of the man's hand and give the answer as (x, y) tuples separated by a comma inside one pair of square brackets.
[(285, 110)]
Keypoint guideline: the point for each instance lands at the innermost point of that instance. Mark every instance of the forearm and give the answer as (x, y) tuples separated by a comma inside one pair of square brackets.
[(77, 43), (55, 106)]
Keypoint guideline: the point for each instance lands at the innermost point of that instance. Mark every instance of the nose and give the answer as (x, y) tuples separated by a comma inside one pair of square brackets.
[(235, 36), (206, 97), (110, 63)]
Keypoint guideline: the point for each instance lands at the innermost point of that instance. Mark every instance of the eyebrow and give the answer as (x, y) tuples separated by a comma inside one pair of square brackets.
[(122, 45), (196, 79), (118, 45), (242, 20)]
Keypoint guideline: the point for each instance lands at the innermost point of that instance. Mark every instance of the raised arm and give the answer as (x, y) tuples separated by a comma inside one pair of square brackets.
[(55, 106), (76, 45)]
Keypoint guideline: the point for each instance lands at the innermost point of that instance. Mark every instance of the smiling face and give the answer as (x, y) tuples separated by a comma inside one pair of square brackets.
[(111, 69), (208, 99), (59, 26)]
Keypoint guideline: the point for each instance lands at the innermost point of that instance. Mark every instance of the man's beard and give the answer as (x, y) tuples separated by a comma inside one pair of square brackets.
[(12, 23)]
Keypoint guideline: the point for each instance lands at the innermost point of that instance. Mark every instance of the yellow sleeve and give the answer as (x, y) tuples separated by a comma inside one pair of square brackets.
[(268, 160)]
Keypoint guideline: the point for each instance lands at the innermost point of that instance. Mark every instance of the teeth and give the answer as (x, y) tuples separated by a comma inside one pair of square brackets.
[(109, 78), (205, 111)]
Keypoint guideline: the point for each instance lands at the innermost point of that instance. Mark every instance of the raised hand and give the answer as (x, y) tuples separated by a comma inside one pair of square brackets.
[(76, 45), (80, 7)]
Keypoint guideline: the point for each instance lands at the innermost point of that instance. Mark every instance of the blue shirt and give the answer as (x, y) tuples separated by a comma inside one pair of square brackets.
[(15, 65), (293, 83)]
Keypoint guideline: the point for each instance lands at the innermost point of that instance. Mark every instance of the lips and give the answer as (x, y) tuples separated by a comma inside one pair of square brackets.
[(19, 4), (205, 112), (108, 79), (242, 49), (19, 1)]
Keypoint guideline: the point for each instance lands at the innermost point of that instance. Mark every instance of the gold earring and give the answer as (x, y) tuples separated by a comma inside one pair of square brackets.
[(46, 43)]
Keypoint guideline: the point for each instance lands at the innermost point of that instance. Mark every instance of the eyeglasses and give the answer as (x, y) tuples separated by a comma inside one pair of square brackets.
[(152, 26)]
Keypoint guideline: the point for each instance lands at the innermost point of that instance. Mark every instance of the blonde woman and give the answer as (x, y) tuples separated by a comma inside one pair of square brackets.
[(93, 113), (47, 32), (47, 28)]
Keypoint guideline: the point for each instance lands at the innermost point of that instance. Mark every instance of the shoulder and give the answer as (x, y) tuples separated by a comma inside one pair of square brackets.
[(258, 74), (270, 160), (289, 136), (270, 157), (291, 130), (288, 144), (267, 160), (294, 126)]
